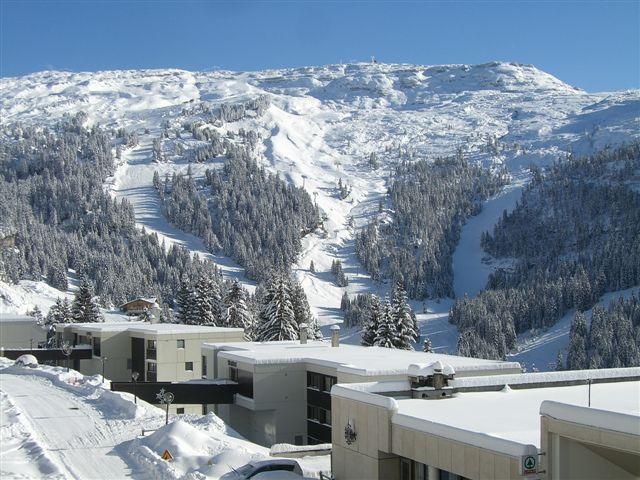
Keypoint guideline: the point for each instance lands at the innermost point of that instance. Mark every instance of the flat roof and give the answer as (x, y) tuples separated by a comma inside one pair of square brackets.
[(12, 318), (143, 327), (508, 421), (348, 358)]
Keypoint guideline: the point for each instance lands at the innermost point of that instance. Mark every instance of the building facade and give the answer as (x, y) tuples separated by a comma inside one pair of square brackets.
[(159, 352), (285, 387), (482, 428)]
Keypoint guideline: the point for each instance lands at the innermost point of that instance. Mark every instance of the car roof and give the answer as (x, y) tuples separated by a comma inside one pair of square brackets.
[(272, 461)]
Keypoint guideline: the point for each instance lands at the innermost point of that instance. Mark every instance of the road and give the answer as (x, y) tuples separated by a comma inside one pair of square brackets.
[(81, 439)]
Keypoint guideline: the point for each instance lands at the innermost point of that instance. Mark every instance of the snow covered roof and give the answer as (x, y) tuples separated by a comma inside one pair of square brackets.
[(544, 377), (11, 318), (510, 419), (354, 359), (154, 328), (620, 421)]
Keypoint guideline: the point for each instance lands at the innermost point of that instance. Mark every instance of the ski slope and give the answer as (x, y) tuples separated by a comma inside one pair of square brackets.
[(322, 124)]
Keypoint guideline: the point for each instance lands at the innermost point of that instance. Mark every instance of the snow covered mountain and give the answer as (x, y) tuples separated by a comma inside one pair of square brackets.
[(321, 126)]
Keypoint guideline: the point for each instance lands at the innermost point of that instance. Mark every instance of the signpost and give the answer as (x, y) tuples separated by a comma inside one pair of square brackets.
[(166, 455), (67, 348), (166, 398), (134, 377)]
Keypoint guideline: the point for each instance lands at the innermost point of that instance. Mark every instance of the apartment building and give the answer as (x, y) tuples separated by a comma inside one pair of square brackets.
[(285, 386), (20, 331), (159, 352), (437, 425)]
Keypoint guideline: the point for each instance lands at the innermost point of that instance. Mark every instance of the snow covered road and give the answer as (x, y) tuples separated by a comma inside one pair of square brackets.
[(74, 435)]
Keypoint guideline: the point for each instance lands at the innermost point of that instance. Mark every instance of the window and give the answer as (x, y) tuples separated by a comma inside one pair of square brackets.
[(96, 346), (204, 367), (152, 372), (151, 344), (188, 366), (318, 414), (180, 411), (233, 374), (151, 349), (180, 343), (152, 367)]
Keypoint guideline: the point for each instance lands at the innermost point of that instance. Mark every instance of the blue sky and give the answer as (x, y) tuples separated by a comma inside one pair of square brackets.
[(590, 44)]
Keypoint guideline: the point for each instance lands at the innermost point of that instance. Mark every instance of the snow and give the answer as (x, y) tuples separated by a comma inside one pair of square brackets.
[(321, 126), (545, 377), (58, 424), (539, 349), (510, 420), (155, 328), (351, 358), (27, 360), (428, 369), (280, 448), (626, 421)]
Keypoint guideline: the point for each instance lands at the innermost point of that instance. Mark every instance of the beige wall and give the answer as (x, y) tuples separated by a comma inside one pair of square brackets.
[(578, 451), (19, 334), (379, 445), (365, 458)]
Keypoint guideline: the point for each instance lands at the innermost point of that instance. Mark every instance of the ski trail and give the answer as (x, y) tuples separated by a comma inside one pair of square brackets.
[(133, 180), (471, 268)]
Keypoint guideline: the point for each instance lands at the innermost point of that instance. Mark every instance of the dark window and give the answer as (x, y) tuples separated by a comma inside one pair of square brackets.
[(180, 343), (96, 346), (129, 364), (204, 366), (233, 374), (151, 349), (297, 440), (405, 469), (180, 410), (188, 366)]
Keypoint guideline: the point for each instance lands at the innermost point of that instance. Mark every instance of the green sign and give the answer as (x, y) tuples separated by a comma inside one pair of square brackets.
[(529, 464)]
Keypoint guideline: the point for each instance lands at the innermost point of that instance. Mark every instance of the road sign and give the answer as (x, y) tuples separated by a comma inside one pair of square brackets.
[(529, 464), (166, 455)]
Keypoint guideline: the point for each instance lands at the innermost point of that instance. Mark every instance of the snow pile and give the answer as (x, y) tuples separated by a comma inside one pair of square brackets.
[(197, 454), (284, 448), (117, 405), (428, 369), (27, 360)]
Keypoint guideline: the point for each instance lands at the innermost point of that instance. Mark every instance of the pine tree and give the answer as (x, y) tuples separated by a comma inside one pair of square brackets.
[(559, 361), (206, 306), (184, 301), (312, 267), (236, 313), (386, 333), (276, 320), (426, 346), (577, 356), (345, 302), (370, 329), (60, 312), (405, 326), (302, 311), (84, 309)]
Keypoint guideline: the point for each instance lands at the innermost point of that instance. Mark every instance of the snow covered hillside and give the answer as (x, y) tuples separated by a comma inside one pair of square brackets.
[(321, 127)]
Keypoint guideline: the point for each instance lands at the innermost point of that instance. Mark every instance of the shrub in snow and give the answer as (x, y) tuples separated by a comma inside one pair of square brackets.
[(27, 361)]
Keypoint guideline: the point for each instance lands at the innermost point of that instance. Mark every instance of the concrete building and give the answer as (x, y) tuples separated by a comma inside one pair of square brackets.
[(20, 331), (436, 425), (285, 386), (159, 352)]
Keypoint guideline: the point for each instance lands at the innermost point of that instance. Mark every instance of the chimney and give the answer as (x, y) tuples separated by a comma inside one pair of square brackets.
[(303, 333), (335, 336)]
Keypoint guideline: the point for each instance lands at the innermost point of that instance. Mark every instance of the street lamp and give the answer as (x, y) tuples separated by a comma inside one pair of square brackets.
[(104, 360), (134, 377), (67, 348), (166, 398)]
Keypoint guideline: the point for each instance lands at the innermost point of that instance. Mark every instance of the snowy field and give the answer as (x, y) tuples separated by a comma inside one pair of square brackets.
[(321, 126), (63, 425)]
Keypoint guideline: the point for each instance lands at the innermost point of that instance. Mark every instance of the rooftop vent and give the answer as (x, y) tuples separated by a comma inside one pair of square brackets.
[(431, 380), (303, 333)]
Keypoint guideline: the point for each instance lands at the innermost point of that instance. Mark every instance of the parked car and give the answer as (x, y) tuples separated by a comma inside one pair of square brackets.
[(287, 469), (27, 360)]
